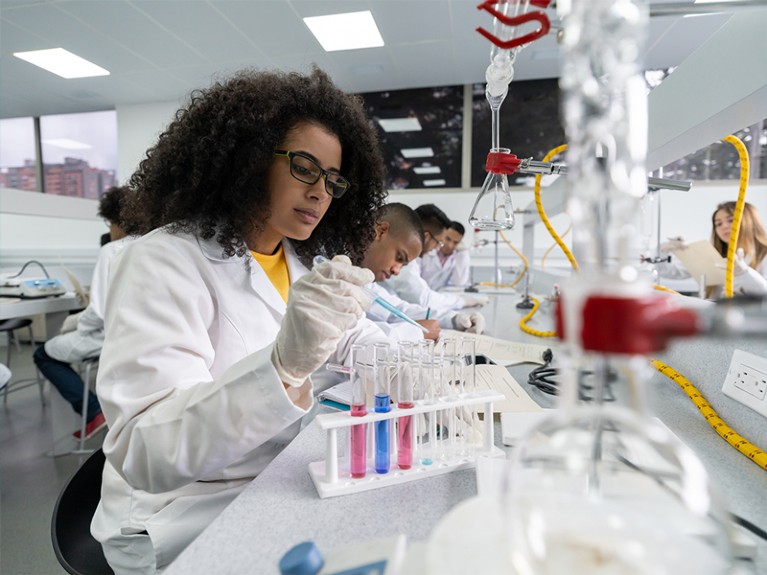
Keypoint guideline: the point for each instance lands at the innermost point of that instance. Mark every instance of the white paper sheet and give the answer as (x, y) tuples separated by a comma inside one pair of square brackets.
[(501, 351), (498, 378), (701, 258)]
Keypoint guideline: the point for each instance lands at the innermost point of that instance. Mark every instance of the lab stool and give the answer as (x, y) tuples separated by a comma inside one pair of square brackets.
[(86, 368), (9, 326), (75, 548)]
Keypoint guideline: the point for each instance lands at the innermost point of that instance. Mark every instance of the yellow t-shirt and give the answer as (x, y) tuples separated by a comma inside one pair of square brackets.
[(276, 268)]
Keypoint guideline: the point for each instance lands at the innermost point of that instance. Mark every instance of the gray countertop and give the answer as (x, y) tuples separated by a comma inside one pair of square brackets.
[(281, 507)]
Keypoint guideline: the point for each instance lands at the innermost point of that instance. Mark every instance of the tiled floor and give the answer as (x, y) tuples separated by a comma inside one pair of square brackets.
[(30, 480)]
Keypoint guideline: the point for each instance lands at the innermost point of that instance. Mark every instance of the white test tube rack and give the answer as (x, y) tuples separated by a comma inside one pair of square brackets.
[(332, 476)]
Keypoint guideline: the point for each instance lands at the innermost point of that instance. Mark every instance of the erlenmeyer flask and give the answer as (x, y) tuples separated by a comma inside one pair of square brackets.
[(600, 489), (493, 209)]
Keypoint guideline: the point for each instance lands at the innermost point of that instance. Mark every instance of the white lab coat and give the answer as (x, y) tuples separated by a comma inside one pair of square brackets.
[(455, 271), (411, 287), (194, 406), (88, 337), (751, 282)]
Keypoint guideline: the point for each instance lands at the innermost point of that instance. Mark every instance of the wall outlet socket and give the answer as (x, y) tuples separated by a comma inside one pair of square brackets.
[(746, 381)]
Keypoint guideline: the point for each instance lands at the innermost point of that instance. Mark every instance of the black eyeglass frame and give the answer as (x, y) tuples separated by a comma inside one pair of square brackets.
[(331, 187)]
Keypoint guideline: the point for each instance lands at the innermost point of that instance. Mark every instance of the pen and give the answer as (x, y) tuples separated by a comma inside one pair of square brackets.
[(391, 308), (428, 312)]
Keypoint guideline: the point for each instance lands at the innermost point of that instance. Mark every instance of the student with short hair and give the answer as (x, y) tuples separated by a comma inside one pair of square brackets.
[(398, 242), (449, 265), (410, 285)]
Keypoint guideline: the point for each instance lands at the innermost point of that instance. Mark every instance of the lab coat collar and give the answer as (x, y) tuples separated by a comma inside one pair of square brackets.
[(259, 281)]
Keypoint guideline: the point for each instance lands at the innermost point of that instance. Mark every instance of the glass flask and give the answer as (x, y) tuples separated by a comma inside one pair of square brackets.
[(601, 489), (493, 210)]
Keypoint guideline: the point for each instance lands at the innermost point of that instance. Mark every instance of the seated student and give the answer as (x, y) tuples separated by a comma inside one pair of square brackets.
[(215, 322), (83, 336), (448, 265), (399, 239), (750, 273), (411, 287), (109, 209)]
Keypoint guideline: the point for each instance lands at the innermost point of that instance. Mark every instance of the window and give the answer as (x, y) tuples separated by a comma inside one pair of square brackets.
[(421, 135), (530, 126), (18, 167), (79, 153)]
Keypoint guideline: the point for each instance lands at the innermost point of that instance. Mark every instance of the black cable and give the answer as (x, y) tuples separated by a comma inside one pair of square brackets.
[(544, 376)]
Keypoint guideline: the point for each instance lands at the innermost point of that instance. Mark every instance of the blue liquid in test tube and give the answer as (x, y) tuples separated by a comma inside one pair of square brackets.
[(382, 376), (382, 435)]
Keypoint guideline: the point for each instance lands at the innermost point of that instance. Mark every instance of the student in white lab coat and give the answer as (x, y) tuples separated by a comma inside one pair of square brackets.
[(750, 274), (449, 265), (82, 334), (410, 286), (214, 323), (399, 238)]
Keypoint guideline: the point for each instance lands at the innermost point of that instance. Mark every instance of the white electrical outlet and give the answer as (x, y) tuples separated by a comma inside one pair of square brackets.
[(746, 381)]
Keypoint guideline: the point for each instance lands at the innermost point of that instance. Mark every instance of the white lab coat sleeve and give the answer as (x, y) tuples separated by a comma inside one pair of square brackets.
[(400, 331), (752, 281), (411, 287), (461, 274), (171, 422)]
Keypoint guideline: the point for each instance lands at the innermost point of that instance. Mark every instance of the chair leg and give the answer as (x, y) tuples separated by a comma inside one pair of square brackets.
[(31, 336), (8, 353), (40, 385), (84, 409)]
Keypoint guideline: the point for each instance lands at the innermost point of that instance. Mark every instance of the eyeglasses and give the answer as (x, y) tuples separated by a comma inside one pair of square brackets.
[(440, 243), (306, 170)]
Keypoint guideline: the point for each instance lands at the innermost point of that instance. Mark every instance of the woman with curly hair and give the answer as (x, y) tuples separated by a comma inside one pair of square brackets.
[(215, 322)]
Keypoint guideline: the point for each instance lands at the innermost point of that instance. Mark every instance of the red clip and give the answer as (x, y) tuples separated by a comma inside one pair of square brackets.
[(502, 163), (516, 21)]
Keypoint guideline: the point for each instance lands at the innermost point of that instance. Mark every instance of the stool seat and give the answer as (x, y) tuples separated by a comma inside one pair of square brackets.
[(14, 323)]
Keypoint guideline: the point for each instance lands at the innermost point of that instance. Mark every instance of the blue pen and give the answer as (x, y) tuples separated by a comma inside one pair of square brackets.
[(381, 301)]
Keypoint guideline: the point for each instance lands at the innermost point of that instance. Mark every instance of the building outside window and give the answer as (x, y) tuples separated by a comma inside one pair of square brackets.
[(18, 167)]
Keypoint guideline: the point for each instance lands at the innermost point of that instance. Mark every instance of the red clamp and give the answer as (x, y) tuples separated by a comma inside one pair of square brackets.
[(541, 17), (631, 326), (502, 163)]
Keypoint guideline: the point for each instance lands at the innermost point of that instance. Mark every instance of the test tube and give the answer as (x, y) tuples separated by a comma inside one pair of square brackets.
[(427, 436), (405, 401), (448, 364), (468, 358), (382, 400), (358, 433)]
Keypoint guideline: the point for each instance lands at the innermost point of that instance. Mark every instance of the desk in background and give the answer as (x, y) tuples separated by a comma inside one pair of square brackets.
[(244, 538)]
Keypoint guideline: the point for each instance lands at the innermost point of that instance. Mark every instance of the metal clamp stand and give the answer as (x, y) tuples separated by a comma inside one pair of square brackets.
[(526, 302)]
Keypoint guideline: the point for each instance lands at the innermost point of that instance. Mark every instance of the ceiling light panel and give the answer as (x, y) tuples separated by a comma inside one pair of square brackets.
[(417, 152), (422, 170), (62, 63), (400, 124), (350, 31)]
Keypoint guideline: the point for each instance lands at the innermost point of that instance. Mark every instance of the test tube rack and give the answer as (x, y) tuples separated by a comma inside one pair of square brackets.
[(332, 477)]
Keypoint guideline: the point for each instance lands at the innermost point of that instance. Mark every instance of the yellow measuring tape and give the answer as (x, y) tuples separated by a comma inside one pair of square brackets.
[(740, 443)]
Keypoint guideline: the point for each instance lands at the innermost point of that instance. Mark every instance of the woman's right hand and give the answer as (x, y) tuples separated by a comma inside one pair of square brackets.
[(322, 306)]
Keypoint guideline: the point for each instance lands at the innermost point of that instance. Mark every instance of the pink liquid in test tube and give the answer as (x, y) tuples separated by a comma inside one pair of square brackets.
[(358, 442), (405, 438)]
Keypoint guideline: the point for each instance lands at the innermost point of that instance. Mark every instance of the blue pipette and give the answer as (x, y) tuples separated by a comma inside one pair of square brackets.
[(391, 308)]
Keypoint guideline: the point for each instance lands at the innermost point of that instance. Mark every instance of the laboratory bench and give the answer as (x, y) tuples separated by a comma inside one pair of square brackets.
[(281, 507)]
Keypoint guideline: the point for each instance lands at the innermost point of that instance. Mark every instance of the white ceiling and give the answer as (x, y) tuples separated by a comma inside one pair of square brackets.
[(159, 50)]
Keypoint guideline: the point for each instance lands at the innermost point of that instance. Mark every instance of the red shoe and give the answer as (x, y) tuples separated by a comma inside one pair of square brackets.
[(92, 427)]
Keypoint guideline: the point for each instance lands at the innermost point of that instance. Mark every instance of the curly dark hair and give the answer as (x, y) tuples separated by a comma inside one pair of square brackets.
[(207, 173), (111, 204)]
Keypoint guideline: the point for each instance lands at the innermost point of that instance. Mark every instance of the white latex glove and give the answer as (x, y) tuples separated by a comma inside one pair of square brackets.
[(322, 306), (475, 300), (673, 245), (472, 322)]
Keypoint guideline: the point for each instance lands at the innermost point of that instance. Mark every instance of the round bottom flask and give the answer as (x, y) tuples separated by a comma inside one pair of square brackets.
[(602, 490)]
